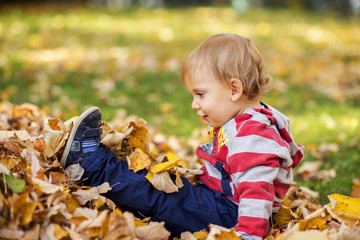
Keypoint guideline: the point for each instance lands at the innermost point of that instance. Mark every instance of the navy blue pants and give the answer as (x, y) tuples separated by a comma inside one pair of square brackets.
[(190, 209)]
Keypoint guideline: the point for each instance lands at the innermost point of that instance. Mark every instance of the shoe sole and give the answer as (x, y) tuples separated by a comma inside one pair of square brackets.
[(73, 132)]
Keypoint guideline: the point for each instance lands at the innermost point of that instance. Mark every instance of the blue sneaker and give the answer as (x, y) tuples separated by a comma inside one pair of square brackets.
[(84, 137)]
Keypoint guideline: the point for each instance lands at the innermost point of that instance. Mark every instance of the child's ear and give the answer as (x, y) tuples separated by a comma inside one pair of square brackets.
[(236, 89)]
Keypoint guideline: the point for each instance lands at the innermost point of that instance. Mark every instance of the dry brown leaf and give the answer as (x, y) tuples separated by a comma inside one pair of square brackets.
[(352, 233), (55, 139), (22, 134), (118, 228), (74, 172), (189, 236), (6, 233), (94, 193), (355, 190), (153, 231), (130, 221), (113, 141), (12, 146), (310, 234), (162, 182), (46, 187)]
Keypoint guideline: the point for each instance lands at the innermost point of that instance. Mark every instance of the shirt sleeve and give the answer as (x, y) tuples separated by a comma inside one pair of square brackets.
[(254, 159)]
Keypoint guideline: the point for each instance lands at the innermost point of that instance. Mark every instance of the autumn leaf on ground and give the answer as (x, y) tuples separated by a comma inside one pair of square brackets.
[(162, 182), (202, 234), (153, 231), (319, 223), (346, 208), (138, 137), (221, 233), (309, 171), (310, 234), (83, 196), (22, 134), (46, 187), (356, 189), (139, 160), (166, 164), (54, 138), (23, 208)]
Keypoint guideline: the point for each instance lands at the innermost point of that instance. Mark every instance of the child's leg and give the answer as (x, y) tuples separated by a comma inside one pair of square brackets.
[(190, 209)]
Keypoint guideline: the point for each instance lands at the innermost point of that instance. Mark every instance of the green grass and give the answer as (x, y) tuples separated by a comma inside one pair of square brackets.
[(65, 58)]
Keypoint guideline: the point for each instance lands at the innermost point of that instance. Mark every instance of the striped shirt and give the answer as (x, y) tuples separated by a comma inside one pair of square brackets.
[(251, 160)]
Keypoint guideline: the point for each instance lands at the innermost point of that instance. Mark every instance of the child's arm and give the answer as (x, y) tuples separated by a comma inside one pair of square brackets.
[(255, 159)]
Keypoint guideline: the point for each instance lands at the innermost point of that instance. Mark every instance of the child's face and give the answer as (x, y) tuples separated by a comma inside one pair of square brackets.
[(212, 99)]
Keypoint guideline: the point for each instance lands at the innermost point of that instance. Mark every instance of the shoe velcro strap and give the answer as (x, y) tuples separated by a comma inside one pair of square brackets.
[(92, 132)]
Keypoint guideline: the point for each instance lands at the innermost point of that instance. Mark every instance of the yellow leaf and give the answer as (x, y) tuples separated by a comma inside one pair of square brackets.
[(149, 176), (172, 161), (282, 217), (72, 203), (94, 231), (118, 211), (53, 123), (138, 136), (287, 202), (23, 209), (201, 235), (77, 220), (172, 156), (99, 204), (227, 235), (141, 222), (345, 207), (139, 160), (59, 232), (315, 223), (178, 181)]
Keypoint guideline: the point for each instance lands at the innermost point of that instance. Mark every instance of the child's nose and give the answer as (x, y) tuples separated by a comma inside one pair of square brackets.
[(195, 105)]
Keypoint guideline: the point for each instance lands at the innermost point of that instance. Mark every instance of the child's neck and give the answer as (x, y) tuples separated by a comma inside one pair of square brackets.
[(248, 104)]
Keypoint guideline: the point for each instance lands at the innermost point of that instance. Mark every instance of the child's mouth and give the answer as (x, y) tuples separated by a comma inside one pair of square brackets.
[(205, 118)]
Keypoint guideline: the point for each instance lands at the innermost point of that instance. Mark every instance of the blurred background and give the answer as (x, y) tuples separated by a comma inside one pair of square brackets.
[(125, 56)]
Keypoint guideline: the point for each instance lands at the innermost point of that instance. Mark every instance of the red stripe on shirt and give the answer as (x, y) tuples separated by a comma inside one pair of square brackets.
[(297, 158), (280, 189), (252, 127), (241, 162), (256, 190), (253, 226)]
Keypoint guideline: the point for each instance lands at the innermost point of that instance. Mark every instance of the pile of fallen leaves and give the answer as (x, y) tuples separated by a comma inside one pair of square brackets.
[(41, 200)]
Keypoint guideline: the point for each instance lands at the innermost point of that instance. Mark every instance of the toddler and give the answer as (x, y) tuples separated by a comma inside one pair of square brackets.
[(248, 165)]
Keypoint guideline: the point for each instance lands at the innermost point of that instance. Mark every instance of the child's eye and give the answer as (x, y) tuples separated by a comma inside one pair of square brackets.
[(200, 94)]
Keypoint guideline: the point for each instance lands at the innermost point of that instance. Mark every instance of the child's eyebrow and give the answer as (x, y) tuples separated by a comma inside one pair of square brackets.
[(196, 89)]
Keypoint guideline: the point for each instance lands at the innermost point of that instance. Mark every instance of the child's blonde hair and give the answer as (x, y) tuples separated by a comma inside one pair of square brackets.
[(229, 56)]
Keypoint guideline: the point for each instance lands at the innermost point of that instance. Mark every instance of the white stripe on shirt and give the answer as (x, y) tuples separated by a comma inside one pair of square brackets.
[(249, 207)]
